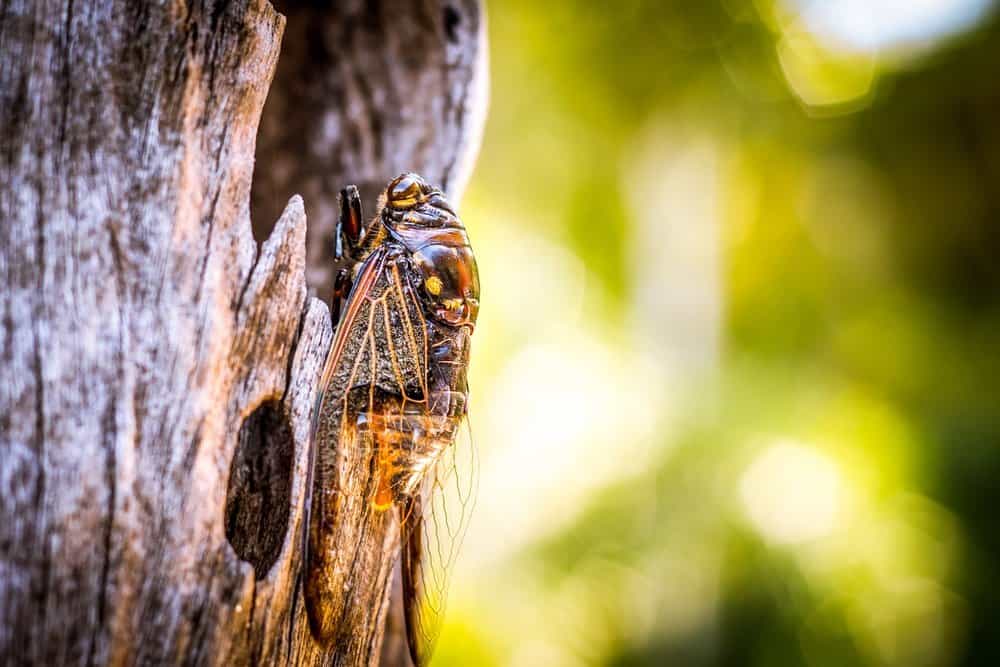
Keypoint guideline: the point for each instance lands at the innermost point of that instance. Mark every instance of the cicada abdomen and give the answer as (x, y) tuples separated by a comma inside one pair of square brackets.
[(408, 442), (393, 403)]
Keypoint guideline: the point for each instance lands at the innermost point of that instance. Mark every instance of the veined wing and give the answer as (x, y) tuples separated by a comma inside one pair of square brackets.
[(379, 355), (434, 523)]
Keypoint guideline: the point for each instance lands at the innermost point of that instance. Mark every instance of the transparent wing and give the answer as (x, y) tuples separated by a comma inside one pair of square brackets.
[(434, 524)]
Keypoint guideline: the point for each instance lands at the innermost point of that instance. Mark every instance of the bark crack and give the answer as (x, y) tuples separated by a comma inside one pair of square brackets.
[(208, 242), (293, 616), (294, 346), (110, 469), (67, 76), (238, 310), (40, 420), (255, 646)]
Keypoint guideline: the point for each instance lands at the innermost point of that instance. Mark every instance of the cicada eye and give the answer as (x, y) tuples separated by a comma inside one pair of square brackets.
[(405, 191)]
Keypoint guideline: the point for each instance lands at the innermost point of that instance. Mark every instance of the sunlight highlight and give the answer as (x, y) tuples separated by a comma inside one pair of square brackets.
[(564, 418), (876, 25), (792, 493)]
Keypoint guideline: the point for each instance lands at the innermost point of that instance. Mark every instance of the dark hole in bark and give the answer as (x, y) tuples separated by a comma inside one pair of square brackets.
[(451, 20), (260, 482)]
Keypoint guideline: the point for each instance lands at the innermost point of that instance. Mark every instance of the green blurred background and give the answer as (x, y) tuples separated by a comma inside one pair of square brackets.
[(736, 376)]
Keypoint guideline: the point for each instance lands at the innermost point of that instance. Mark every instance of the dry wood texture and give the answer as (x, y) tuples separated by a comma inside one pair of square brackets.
[(158, 367)]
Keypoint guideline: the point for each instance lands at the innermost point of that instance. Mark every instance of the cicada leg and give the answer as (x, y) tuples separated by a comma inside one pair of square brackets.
[(355, 239), (354, 242), (350, 223)]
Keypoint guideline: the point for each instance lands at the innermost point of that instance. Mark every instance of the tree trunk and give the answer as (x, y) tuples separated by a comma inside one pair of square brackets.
[(158, 367)]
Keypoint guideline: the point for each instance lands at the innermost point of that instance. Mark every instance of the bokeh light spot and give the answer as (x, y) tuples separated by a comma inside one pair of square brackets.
[(876, 25), (820, 77), (791, 493)]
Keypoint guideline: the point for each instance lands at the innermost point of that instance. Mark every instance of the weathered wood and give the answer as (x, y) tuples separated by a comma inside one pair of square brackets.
[(159, 368)]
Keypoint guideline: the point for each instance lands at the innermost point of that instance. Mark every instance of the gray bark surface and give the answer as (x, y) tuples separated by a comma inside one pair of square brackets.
[(158, 366)]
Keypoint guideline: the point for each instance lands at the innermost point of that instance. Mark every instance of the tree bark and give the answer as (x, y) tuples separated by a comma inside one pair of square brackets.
[(159, 367)]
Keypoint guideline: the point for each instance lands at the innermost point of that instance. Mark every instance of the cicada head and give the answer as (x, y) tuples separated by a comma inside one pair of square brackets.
[(420, 217)]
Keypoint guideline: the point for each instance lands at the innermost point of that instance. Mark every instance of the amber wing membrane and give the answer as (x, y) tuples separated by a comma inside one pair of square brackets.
[(434, 523)]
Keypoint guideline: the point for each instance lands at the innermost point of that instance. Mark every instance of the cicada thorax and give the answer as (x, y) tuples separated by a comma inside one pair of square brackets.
[(439, 247)]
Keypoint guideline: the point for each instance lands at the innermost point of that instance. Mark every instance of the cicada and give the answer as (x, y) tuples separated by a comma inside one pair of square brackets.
[(392, 405)]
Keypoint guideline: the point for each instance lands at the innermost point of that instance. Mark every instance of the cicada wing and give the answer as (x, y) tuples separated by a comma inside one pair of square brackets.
[(345, 541), (369, 357), (433, 524)]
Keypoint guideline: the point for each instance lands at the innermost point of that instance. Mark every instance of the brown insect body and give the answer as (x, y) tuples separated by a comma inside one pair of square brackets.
[(393, 398)]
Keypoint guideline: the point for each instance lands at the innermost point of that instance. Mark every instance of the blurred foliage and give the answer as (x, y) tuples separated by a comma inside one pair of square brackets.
[(737, 369)]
